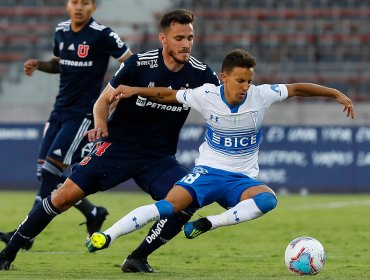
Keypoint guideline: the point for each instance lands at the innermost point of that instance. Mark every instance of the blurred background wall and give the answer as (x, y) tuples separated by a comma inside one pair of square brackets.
[(320, 41)]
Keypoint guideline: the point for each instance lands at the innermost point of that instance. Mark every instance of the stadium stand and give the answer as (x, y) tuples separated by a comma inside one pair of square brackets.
[(322, 41), (26, 28)]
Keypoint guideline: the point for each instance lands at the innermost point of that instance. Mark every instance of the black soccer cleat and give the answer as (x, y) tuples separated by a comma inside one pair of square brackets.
[(5, 262), (5, 237), (94, 223), (136, 265)]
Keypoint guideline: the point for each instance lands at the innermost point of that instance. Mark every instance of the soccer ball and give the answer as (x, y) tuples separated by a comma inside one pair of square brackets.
[(305, 256)]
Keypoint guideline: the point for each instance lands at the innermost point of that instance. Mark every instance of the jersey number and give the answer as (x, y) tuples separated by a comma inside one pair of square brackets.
[(99, 150), (190, 178)]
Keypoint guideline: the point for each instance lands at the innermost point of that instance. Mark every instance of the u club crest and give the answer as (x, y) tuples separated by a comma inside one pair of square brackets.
[(83, 50)]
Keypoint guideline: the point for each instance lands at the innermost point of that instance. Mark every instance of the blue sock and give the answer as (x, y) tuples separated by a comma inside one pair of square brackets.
[(38, 218), (265, 201), (165, 208)]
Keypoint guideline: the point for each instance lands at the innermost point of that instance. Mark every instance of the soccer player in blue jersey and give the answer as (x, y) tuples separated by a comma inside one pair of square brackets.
[(82, 48), (138, 141), (227, 167)]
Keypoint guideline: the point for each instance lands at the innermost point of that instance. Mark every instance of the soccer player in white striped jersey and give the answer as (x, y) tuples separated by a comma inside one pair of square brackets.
[(227, 167)]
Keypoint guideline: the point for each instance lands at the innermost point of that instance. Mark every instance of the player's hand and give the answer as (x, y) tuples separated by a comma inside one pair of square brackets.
[(122, 92), (30, 66), (348, 106), (96, 133)]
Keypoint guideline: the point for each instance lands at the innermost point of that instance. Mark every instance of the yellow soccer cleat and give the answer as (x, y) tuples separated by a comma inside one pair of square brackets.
[(97, 241)]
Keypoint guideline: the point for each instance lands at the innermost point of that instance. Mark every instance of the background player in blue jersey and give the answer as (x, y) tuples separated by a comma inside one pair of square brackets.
[(82, 48), (139, 140), (227, 167)]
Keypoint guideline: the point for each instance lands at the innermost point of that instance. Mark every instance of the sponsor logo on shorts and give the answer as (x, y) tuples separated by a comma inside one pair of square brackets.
[(87, 149), (200, 170)]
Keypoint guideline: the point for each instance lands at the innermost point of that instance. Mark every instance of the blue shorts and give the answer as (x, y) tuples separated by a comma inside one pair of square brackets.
[(208, 185), (64, 138), (111, 163)]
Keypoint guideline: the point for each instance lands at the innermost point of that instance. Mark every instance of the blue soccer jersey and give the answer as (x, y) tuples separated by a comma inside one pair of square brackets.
[(146, 124), (84, 58)]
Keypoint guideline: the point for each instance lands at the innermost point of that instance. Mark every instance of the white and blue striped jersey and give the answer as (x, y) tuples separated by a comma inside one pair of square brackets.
[(234, 133)]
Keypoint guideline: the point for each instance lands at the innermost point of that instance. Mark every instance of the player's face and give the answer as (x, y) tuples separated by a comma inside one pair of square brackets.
[(237, 83), (80, 11), (177, 42)]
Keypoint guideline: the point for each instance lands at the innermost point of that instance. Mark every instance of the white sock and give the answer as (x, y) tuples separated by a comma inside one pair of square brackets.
[(244, 211), (133, 221)]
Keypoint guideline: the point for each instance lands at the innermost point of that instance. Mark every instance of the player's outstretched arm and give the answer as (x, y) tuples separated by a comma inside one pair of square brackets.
[(312, 90), (159, 94), (51, 66)]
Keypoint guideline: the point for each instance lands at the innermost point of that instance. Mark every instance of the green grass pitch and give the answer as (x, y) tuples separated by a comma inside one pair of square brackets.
[(252, 250)]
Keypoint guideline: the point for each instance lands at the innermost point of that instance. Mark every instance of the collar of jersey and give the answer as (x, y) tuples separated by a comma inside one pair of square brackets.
[(233, 108), (83, 28), (161, 61)]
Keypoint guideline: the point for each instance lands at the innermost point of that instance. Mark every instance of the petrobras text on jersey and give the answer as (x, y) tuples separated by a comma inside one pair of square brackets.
[(76, 63), (143, 102)]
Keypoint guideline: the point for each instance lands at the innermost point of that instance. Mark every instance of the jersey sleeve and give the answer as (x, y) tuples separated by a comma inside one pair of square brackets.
[(112, 44), (273, 93), (193, 98), (125, 73)]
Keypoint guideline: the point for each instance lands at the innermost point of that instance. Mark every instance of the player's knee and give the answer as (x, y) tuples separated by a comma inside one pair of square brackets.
[(165, 208), (265, 201)]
